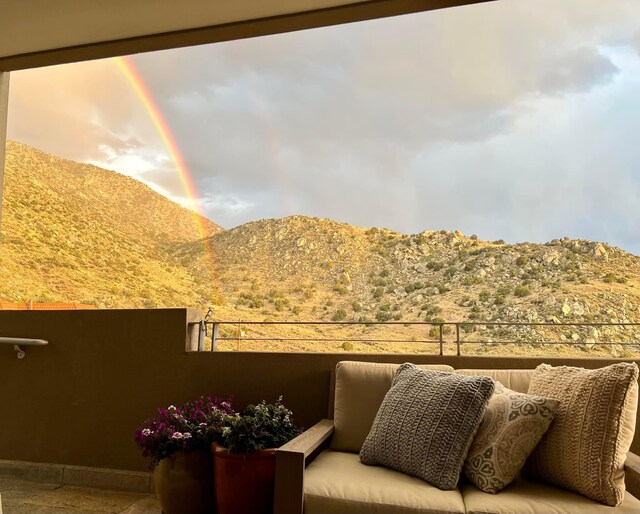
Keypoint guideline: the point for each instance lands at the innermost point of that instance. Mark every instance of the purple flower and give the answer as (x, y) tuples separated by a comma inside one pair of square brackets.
[(193, 426)]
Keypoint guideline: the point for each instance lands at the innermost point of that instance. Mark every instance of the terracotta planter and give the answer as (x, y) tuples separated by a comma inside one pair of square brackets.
[(184, 483), (244, 481)]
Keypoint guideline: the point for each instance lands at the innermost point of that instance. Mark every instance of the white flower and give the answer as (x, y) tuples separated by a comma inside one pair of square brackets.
[(146, 432), (202, 425), (186, 435), (178, 435), (171, 407)]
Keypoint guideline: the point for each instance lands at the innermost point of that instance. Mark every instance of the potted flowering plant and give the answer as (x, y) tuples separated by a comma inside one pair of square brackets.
[(244, 457), (177, 440)]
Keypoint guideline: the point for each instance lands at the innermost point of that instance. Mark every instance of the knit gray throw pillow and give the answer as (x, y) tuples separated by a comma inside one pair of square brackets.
[(426, 423)]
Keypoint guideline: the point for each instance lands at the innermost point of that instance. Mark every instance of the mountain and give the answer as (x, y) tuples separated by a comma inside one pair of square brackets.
[(77, 233), (317, 269)]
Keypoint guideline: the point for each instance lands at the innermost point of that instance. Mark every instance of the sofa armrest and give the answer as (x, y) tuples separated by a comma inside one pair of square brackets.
[(290, 463), (632, 474)]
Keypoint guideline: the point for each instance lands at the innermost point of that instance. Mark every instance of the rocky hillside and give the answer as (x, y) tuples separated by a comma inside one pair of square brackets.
[(305, 268), (77, 233)]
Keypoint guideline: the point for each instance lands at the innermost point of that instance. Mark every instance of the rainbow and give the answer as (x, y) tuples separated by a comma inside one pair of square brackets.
[(143, 92)]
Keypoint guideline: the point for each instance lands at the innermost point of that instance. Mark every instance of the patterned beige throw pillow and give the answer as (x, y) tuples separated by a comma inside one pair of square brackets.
[(426, 422), (586, 445), (511, 428)]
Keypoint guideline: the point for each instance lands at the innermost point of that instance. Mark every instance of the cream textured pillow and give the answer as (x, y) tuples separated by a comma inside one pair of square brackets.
[(585, 448), (512, 426), (426, 423)]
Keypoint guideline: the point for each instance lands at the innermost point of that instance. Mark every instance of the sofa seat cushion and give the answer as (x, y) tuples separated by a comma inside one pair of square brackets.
[(514, 379), (527, 497), (360, 389), (338, 483)]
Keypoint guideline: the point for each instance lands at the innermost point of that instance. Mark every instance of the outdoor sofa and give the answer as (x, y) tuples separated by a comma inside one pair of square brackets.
[(320, 471)]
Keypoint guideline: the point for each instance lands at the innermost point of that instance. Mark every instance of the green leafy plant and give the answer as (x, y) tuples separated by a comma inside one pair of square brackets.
[(258, 427)]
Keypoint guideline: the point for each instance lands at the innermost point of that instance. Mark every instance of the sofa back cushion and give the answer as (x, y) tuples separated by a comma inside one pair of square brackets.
[(585, 448), (514, 379), (360, 389)]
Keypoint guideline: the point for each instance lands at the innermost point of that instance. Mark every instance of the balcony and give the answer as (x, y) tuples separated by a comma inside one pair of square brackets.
[(71, 406)]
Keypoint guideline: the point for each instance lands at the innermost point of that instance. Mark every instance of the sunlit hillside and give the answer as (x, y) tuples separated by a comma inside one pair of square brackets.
[(76, 233)]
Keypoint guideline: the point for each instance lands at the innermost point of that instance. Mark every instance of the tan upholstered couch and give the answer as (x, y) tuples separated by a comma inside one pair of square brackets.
[(319, 472)]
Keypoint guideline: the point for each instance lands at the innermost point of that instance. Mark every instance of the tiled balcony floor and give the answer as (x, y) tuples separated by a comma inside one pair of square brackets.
[(23, 497)]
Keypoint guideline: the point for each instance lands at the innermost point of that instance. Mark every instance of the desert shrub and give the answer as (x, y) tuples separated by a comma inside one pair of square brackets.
[(522, 260), (340, 315), (435, 265), (484, 295), (413, 287), (503, 290), (430, 310), (611, 277), (383, 316), (442, 288), (348, 346), (378, 292), (521, 291), (463, 300), (340, 289), (356, 307), (435, 330), (471, 281), (281, 303)]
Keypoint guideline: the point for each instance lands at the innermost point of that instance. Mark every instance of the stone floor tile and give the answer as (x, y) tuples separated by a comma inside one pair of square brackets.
[(87, 500), (26, 508), (19, 490), (148, 505)]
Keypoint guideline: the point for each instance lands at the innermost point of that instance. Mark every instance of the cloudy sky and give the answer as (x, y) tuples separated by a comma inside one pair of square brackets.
[(515, 120)]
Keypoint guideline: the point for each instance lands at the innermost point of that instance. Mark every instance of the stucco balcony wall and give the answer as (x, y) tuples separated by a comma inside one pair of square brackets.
[(78, 400)]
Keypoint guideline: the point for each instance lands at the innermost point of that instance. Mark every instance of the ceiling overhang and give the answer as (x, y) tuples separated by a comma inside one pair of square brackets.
[(36, 33)]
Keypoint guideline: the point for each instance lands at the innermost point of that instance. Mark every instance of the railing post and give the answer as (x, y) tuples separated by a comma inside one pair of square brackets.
[(215, 333), (441, 340), (458, 339), (202, 332)]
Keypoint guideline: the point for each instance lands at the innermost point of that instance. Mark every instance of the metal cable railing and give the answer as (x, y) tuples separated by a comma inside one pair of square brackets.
[(212, 329)]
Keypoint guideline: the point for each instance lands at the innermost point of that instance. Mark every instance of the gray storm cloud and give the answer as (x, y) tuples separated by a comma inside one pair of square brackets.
[(468, 118)]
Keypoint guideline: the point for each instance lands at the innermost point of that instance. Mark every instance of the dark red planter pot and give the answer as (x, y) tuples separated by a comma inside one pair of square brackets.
[(183, 483), (244, 481)]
